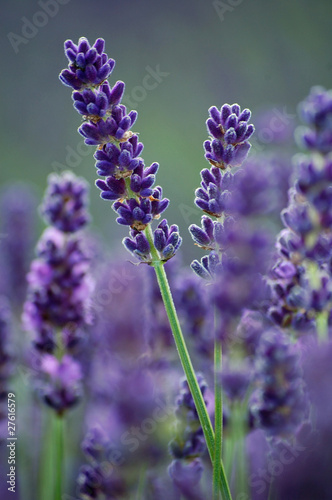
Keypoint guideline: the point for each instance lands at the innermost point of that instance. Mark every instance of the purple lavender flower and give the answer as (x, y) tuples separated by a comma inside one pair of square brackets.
[(189, 444), (88, 66), (166, 241), (56, 309), (114, 128), (316, 111), (212, 196), (95, 104), (208, 267), (278, 404), (61, 389), (128, 183), (65, 202), (309, 474), (119, 161), (235, 382), (192, 300), (18, 207), (230, 131), (59, 285)]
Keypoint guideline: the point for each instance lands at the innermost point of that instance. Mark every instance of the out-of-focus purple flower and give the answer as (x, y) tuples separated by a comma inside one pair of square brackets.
[(95, 104), (6, 364), (88, 66), (278, 404), (59, 286), (240, 282), (309, 475), (316, 111), (186, 477), (189, 441), (192, 301), (62, 388), (189, 444), (230, 131), (235, 382), (65, 202), (114, 128), (250, 329), (273, 126), (18, 207), (314, 182), (119, 161)]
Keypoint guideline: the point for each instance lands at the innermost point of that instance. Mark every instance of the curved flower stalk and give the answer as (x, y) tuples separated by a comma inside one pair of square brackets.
[(56, 308), (129, 184), (227, 148)]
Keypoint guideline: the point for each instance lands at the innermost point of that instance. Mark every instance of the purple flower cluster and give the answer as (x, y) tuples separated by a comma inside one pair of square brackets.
[(278, 404), (128, 183), (88, 66), (316, 113), (189, 444), (18, 206), (66, 202), (97, 477), (301, 277), (230, 132), (59, 287)]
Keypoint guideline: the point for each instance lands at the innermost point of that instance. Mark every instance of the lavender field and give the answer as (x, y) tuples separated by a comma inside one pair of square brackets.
[(165, 246)]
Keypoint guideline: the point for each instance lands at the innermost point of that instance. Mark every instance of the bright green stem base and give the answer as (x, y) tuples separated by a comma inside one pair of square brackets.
[(218, 422), (58, 456), (188, 368)]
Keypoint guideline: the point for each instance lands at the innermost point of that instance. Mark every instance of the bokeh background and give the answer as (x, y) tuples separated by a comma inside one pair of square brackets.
[(261, 54)]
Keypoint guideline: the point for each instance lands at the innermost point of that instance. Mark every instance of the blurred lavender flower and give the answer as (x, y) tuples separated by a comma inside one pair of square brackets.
[(192, 301), (278, 404), (18, 207), (309, 476), (98, 477), (66, 202), (6, 364), (188, 445), (56, 310), (316, 111)]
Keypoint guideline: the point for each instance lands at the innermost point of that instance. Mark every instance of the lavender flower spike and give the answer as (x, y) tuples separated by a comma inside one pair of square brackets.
[(65, 203), (230, 132), (88, 66), (278, 404)]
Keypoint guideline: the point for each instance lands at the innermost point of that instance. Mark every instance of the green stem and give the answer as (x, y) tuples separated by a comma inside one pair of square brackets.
[(46, 467), (59, 456), (185, 360), (217, 419), (239, 415)]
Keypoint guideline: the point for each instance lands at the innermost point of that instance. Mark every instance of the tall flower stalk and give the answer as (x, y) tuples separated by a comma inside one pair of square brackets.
[(56, 309), (227, 147), (129, 185)]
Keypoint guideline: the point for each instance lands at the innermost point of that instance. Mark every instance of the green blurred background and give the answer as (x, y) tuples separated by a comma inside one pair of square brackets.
[(260, 53)]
